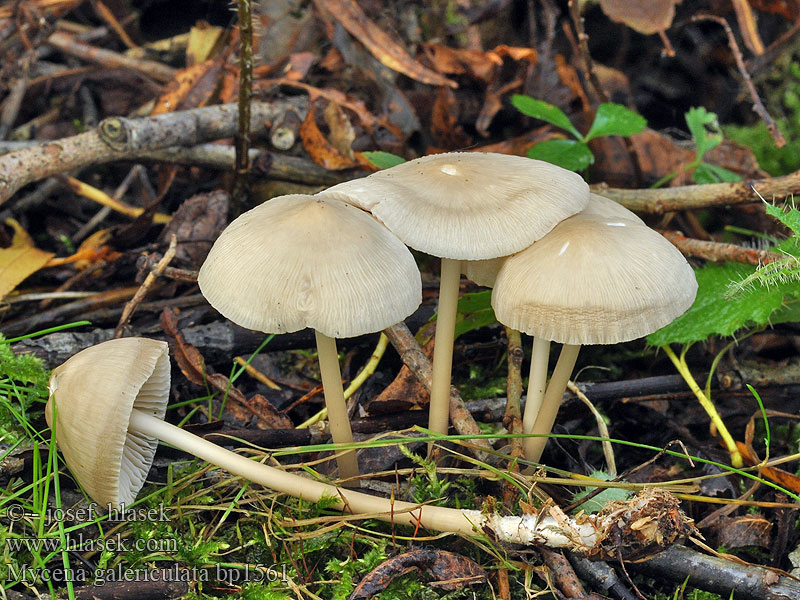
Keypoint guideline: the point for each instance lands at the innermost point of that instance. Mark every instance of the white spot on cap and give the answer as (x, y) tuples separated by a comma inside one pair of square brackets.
[(563, 248), (449, 170), (615, 224)]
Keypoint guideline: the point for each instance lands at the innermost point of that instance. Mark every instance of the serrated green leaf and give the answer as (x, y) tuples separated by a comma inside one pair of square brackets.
[(790, 219), (700, 121), (383, 160), (569, 154), (615, 119), (711, 314), (539, 109)]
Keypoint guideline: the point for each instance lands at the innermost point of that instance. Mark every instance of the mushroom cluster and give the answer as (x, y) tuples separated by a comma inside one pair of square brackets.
[(566, 266)]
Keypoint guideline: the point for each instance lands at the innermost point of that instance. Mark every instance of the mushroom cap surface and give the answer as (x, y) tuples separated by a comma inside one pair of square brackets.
[(94, 392), (468, 205), (484, 272), (605, 207), (594, 280), (302, 261)]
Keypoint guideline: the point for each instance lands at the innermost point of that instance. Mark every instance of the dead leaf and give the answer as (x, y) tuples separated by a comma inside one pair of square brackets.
[(379, 43), (788, 9), (189, 359), (779, 476), (196, 224), (203, 40), (644, 16), (444, 121), (321, 150), (743, 531), (450, 571), (191, 87), (341, 134), (20, 260)]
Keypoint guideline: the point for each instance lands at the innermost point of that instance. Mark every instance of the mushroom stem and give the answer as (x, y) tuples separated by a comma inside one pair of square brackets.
[(537, 383), (534, 446), (525, 530), (337, 407), (439, 415)]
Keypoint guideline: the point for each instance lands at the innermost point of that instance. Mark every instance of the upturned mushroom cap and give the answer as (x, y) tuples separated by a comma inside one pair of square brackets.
[(302, 261), (468, 205), (94, 393), (594, 280)]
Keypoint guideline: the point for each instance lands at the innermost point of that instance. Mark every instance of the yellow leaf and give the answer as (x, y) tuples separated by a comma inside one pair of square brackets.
[(19, 260)]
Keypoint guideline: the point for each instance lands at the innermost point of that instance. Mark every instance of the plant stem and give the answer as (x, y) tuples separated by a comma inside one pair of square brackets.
[(337, 407), (534, 446), (439, 416), (716, 419)]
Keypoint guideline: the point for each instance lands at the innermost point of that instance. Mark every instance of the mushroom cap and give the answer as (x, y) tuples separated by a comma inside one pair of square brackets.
[(468, 205), (302, 261), (484, 272), (605, 207), (94, 393), (594, 280)]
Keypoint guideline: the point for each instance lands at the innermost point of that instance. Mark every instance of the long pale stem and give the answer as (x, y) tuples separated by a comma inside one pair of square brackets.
[(439, 415), (537, 382), (552, 401), (526, 529), (337, 407)]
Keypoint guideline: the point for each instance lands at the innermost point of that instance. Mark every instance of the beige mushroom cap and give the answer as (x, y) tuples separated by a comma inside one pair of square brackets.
[(594, 280), (605, 207), (94, 393), (484, 272), (302, 261), (468, 205)]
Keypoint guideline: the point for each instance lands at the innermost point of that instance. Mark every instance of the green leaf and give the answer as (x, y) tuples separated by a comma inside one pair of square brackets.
[(539, 109), (708, 173), (569, 154), (474, 311), (711, 314), (704, 128), (383, 160), (615, 119), (598, 502), (790, 219)]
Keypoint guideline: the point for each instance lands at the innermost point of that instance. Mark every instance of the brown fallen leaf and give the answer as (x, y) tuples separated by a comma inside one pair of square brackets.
[(779, 476), (644, 16), (192, 365), (196, 224), (742, 531), (379, 43), (322, 151), (20, 260), (448, 570)]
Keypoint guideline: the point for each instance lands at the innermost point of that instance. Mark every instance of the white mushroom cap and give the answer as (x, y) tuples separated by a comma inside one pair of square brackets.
[(484, 272), (594, 280), (605, 207), (468, 205), (94, 393), (302, 261)]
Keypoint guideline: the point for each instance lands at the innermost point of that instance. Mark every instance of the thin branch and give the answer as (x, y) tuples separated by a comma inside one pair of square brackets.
[(691, 197), (758, 106), (718, 251)]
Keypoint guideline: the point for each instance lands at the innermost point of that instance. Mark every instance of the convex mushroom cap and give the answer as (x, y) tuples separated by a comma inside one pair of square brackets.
[(468, 205), (93, 394), (594, 280), (306, 261)]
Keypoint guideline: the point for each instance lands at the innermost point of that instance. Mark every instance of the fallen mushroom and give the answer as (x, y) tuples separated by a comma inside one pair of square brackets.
[(127, 382), (301, 261), (464, 206), (594, 279)]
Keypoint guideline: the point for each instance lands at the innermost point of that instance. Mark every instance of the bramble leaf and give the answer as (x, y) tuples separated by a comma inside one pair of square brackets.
[(569, 154), (615, 119), (704, 128)]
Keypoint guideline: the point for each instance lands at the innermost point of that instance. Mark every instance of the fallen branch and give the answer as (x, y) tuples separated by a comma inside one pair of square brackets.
[(690, 197), (119, 138), (718, 251), (749, 582)]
